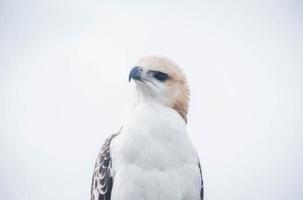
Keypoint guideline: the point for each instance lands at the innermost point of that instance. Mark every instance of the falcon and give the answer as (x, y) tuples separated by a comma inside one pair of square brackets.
[(151, 157)]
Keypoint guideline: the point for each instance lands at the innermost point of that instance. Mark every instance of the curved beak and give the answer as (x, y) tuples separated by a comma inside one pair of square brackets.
[(135, 74)]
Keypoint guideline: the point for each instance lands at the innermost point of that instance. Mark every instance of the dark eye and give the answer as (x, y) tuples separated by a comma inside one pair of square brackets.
[(160, 76)]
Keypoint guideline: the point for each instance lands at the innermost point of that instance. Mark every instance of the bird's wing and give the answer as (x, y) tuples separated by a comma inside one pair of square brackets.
[(102, 180), (202, 188)]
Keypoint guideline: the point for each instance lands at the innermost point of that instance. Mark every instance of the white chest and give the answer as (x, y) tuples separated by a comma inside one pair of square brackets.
[(153, 157)]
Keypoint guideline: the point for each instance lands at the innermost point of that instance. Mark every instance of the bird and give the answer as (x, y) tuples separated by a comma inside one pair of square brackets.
[(151, 157)]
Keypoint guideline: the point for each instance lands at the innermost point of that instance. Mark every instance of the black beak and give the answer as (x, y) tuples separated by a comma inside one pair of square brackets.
[(135, 73)]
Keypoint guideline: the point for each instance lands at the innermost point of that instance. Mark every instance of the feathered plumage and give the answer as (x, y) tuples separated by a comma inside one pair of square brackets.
[(102, 181), (152, 157)]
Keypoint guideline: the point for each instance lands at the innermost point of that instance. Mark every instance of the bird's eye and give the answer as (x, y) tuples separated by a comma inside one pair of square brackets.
[(160, 76)]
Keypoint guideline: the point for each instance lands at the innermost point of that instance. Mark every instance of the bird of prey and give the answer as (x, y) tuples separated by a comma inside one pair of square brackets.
[(151, 157)]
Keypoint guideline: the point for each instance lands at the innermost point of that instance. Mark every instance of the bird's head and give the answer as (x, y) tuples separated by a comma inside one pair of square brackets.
[(160, 80)]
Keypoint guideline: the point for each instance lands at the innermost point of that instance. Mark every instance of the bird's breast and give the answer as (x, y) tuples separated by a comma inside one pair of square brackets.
[(152, 151)]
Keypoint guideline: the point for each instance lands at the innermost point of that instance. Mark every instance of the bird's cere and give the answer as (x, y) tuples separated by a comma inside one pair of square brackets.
[(135, 73)]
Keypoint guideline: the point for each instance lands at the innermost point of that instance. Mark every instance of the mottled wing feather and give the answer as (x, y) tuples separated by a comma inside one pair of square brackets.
[(202, 188), (102, 180)]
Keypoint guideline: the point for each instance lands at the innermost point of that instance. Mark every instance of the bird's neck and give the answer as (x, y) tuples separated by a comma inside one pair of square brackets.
[(144, 98)]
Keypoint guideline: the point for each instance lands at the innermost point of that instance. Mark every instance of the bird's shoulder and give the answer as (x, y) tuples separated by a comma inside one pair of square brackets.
[(102, 180), (202, 185)]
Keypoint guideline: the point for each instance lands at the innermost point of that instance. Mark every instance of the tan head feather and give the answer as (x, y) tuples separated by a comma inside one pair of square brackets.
[(176, 87)]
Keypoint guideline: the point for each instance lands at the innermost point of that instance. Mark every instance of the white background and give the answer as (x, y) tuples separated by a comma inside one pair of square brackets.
[(63, 89)]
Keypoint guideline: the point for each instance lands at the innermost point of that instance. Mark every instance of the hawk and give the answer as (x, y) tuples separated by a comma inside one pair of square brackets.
[(151, 157)]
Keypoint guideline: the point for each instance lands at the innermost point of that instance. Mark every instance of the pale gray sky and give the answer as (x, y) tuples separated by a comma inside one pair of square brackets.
[(63, 89)]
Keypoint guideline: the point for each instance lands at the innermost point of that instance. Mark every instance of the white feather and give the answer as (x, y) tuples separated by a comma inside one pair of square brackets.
[(153, 157)]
